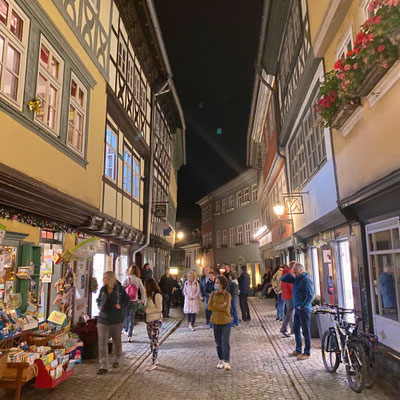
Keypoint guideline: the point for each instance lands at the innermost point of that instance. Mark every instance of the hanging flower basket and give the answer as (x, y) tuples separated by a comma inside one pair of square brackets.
[(3, 229), (82, 251)]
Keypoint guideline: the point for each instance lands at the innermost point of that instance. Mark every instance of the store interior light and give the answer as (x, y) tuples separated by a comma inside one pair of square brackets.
[(260, 231), (198, 261), (279, 209), (174, 271)]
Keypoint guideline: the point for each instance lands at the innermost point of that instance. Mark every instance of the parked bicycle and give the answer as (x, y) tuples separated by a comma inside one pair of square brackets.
[(341, 343)]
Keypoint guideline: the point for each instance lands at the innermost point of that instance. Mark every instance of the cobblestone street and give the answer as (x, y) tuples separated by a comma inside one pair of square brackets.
[(187, 369)]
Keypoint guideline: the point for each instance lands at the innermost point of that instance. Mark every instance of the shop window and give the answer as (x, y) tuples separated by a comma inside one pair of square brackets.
[(247, 232), (232, 237), (230, 202), (127, 177), (76, 117), (246, 197), (14, 27), (111, 154), (49, 85)]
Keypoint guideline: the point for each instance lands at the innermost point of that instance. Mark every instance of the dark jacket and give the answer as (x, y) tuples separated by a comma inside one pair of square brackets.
[(206, 286), (303, 290), (233, 289), (146, 275), (244, 283), (167, 284), (109, 315)]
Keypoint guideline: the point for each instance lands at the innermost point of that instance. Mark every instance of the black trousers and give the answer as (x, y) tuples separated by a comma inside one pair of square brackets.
[(244, 307), (166, 305)]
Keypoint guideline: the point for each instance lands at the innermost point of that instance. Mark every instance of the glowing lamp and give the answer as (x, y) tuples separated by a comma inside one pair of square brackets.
[(174, 271), (180, 235), (279, 209)]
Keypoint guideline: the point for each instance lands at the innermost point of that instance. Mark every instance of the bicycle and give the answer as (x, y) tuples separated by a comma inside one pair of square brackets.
[(341, 343)]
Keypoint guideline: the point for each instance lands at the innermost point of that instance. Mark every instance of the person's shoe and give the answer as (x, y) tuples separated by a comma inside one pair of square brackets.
[(285, 334), (115, 364), (101, 371), (277, 318), (191, 328), (129, 339), (294, 354), (302, 357), (221, 365), (227, 367), (151, 367)]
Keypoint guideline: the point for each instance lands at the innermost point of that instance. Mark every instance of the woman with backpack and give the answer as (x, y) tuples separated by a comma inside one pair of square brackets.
[(112, 302), (132, 284), (154, 306), (192, 296)]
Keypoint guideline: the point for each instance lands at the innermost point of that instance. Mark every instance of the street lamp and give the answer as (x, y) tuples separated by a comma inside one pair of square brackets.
[(279, 209), (198, 261), (180, 235)]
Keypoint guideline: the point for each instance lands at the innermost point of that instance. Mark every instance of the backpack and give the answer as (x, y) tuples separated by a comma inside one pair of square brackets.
[(131, 290)]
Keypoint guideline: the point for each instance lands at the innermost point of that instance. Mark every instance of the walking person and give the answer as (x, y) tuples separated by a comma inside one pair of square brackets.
[(277, 287), (303, 293), (147, 273), (287, 298), (206, 288), (233, 289), (192, 295), (244, 291), (219, 305), (112, 302), (153, 318), (167, 285), (132, 284)]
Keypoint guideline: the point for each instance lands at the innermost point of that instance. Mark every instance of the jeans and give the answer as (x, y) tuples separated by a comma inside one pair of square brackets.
[(302, 320), (166, 304), (222, 335), (191, 317), (234, 311), (130, 317), (244, 306), (104, 332), (280, 305), (208, 312), (288, 320), (153, 332)]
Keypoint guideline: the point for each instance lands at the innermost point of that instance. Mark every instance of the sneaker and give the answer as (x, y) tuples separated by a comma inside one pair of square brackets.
[(101, 371), (151, 367), (191, 328), (227, 366), (294, 354), (115, 364), (129, 339), (221, 365), (285, 334), (302, 357)]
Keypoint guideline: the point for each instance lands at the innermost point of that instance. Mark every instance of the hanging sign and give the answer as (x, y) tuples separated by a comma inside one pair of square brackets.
[(160, 210), (294, 204)]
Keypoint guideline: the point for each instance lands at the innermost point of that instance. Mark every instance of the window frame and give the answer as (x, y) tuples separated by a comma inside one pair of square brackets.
[(225, 238), (231, 202), (115, 168), (136, 176), (127, 168), (247, 233), (239, 199), (254, 192), (223, 208), (343, 46), (239, 234), (232, 237), (218, 239), (246, 195)]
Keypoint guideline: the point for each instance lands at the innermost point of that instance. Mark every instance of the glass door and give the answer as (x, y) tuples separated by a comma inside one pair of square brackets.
[(346, 280), (99, 267), (315, 271)]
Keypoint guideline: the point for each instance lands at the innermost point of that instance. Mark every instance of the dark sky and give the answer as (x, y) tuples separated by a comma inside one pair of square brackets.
[(212, 48)]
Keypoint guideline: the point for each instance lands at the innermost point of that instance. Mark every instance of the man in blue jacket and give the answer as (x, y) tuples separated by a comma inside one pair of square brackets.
[(303, 293), (244, 291)]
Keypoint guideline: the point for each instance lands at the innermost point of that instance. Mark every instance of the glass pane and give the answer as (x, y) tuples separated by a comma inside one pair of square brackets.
[(55, 66), (79, 122), (10, 85), (375, 284), (371, 242), (13, 57), (387, 286), (51, 118), (71, 115), (397, 278), (44, 56), (395, 238), (3, 11), (16, 25), (383, 240), (71, 134), (81, 99), (74, 89), (41, 92), (53, 96)]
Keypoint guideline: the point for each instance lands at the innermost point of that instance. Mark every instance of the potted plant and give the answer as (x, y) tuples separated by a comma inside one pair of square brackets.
[(87, 332)]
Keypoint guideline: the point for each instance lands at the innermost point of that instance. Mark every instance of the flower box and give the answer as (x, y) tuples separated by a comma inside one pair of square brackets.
[(373, 76), (343, 113)]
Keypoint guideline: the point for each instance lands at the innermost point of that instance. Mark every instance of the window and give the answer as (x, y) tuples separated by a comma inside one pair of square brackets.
[(14, 27), (232, 237), (188, 260), (48, 88), (217, 206), (246, 195), (239, 199), (204, 239), (137, 87), (143, 97), (77, 112), (225, 238), (346, 44), (247, 232), (240, 234), (131, 73), (271, 121), (230, 202), (122, 56), (256, 225), (210, 213), (254, 190), (223, 205), (218, 239), (135, 178), (111, 154), (127, 177)]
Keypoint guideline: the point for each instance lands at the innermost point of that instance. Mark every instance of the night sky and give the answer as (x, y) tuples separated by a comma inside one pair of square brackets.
[(212, 48)]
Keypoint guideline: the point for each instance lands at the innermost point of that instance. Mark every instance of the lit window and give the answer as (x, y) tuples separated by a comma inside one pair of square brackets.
[(111, 154), (77, 112)]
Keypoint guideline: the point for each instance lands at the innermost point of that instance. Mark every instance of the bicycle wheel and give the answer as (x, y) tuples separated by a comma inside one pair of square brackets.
[(372, 368), (330, 351), (357, 372)]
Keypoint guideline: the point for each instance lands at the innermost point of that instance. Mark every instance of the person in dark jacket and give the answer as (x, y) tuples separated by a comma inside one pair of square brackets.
[(206, 288), (303, 293), (147, 273), (167, 285), (287, 298), (112, 302), (244, 291), (233, 290)]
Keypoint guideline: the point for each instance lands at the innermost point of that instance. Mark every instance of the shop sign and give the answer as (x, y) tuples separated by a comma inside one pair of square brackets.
[(294, 204), (160, 210)]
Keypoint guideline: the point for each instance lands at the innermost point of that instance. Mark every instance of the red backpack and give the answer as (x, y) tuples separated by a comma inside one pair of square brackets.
[(131, 290)]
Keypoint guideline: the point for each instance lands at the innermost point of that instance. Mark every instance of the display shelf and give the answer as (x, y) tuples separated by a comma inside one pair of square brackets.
[(45, 381)]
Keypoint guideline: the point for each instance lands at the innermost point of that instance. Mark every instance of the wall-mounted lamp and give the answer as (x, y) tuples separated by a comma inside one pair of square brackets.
[(279, 209), (180, 235)]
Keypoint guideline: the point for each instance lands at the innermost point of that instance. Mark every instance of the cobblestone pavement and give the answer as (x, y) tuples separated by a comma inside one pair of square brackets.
[(187, 369)]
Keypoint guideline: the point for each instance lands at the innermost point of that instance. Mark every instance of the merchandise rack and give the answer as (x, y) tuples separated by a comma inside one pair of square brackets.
[(44, 379)]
